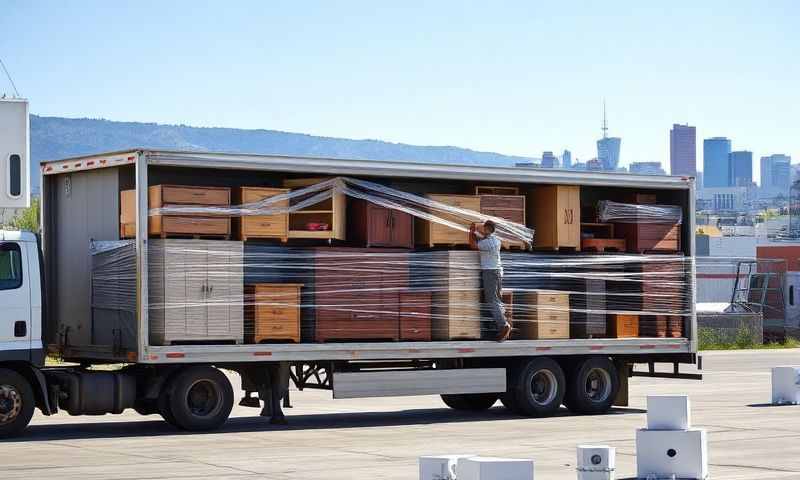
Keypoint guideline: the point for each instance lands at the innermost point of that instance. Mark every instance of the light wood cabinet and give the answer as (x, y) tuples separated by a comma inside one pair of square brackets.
[(541, 315), (554, 212), (196, 290), (623, 326), (272, 312), (261, 226), (309, 221), (433, 233), (454, 277)]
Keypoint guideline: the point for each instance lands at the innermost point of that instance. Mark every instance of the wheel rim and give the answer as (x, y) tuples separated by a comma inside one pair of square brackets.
[(203, 398), (598, 385), (543, 387), (10, 404)]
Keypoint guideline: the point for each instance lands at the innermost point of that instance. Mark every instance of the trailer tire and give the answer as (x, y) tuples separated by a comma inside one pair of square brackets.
[(592, 386), (200, 398), (17, 402), (474, 402), (537, 387)]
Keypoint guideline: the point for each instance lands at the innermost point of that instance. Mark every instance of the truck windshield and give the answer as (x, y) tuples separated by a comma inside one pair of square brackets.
[(10, 266)]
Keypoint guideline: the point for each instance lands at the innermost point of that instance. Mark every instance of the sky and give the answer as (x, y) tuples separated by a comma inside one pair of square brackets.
[(511, 77)]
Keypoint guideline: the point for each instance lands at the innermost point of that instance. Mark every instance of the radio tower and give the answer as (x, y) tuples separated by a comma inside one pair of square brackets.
[(605, 123)]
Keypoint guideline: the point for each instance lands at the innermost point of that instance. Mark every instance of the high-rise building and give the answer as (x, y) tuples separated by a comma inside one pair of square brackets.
[(549, 160), (647, 168), (776, 175), (566, 159), (740, 169), (683, 150), (608, 147), (715, 162)]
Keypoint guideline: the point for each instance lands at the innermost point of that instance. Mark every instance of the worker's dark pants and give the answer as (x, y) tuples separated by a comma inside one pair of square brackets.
[(492, 286)]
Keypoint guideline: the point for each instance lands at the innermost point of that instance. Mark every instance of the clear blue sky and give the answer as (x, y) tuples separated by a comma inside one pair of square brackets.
[(512, 77)]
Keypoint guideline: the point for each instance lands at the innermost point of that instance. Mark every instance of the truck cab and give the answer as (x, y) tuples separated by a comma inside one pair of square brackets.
[(21, 298)]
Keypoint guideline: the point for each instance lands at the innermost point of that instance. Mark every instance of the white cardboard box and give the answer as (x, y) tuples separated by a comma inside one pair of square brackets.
[(439, 467), (786, 385), (491, 468), (596, 462), (668, 412), (663, 453)]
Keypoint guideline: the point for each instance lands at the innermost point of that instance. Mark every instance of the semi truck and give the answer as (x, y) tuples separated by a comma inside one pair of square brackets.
[(101, 366)]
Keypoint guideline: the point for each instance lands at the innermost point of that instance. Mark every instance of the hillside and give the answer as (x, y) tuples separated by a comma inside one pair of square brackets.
[(55, 137)]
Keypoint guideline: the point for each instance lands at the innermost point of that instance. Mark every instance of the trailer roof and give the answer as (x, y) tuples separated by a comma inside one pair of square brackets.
[(381, 168)]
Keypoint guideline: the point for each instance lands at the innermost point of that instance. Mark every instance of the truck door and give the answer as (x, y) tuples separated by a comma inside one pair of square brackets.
[(15, 316)]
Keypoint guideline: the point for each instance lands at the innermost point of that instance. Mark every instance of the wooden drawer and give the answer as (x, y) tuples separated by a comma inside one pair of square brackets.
[(511, 202), (517, 216), (415, 316), (193, 225), (261, 226), (173, 194), (432, 233), (623, 326)]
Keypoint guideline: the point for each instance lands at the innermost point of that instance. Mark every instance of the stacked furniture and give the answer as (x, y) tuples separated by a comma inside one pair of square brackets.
[(372, 225), (663, 290), (623, 325), (261, 226), (272, 312), (357, 293), (433, 233), (185, 224), (324, 220), (650, 237), (587, 315), (453, 278), (542, 315), (554, 211), (196, 291)]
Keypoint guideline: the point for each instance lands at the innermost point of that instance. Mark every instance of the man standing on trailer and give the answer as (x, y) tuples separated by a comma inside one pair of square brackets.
[(492, 275)]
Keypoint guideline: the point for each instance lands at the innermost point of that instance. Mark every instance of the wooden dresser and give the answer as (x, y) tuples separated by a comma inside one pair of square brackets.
[(665, 287), (432, 233), (272, 312), (541, 315), (623, 326), (650, 237), (189, 224), (196, 291), (357, 293), (554, 212), (372, 225), (261, 226)]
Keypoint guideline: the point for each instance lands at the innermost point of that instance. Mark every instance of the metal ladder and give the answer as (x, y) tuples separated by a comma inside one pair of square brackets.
[(752, 286)]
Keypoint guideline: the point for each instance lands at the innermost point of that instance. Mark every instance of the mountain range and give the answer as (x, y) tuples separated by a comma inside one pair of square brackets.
[(53, 138)]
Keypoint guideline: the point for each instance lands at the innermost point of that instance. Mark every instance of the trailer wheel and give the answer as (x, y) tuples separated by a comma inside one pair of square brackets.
[(593, 386), (537, 388), (470, 401), (200, 398), (17, 402)]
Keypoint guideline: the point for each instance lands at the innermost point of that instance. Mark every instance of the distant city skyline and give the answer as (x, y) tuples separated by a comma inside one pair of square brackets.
[(683, 150), (716, 161), (446, 73)]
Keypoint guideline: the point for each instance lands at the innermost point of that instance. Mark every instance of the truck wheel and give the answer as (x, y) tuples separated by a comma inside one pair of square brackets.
[(16, 403), (470, 401), (200, 398), (593, 386), (537, 388)]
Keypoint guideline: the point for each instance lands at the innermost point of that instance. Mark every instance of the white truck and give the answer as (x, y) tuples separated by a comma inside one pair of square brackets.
[(45, 292)]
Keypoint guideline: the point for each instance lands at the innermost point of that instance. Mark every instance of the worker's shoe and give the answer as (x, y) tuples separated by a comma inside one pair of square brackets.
[(504, 333)]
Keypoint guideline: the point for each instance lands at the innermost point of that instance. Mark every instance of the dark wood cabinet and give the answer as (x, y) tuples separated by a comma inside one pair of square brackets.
[(356, 293), (372, 225), (415, 316)]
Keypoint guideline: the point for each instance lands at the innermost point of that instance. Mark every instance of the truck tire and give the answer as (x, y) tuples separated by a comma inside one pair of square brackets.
[(592, 386), (537, 388), (17, 402), (200, 398), (470, 401)]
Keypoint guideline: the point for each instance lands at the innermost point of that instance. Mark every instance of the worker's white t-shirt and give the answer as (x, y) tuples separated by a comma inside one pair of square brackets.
[(490, 253)]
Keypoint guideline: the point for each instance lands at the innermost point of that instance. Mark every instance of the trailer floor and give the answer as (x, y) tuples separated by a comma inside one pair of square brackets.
[(382, 438)]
